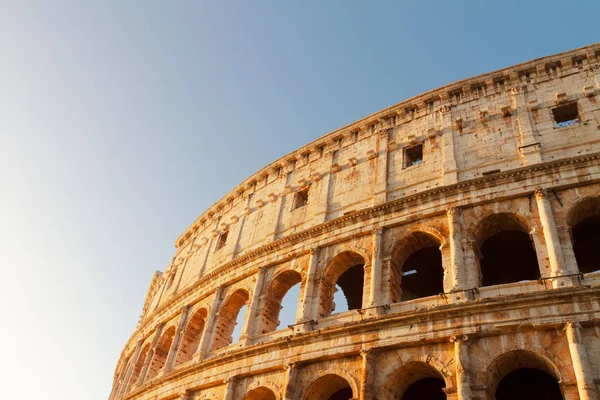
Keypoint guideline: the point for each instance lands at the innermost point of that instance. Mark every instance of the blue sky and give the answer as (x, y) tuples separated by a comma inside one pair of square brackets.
[(120, 122)]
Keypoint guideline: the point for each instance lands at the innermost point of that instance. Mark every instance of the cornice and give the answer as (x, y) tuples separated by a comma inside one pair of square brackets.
[(360, 216), (377, 118)]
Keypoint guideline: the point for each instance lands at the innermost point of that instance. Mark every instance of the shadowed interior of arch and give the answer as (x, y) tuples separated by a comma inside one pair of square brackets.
[(528, 383), (329, 387), (230, 320), (586, 244), (260, 393), (280, 302), (351, 284), (191, 338), (161, 352), (426, 388), (344, 275)]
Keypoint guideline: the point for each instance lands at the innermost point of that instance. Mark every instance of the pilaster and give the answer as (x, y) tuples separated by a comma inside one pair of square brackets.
[(380, 189), (460, 279), (230, 391), (248, 330), (309, 298), (291, 371), (530, 147), (449, 166), (132, 363), (367, 371), (150, 356), (209, 327), (376, 270), (461, 355), (177, 339), (581, 363)]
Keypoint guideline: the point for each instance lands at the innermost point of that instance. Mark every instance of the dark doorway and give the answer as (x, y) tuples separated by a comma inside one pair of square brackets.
[(351, 282), (422, 274), (508, 257), (586, 244), (528, 384), (343, 394), (426, 388)]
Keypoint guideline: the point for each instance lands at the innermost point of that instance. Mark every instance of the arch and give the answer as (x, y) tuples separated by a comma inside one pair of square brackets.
[(137, 368), (409, 379), (505, 250), (191, 336), (330, 387), (276, 291), (161, 352), (507, 362), (417, 269), (584, 223), (260, 393), (226, 320), (345, 269)]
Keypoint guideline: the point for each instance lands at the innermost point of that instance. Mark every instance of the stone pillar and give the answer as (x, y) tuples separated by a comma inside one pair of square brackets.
[(322, 206), (367, 371), (176, 339), (291, 370), (230, 391), (530, 147), (209, 326), (555, 255), (581, 363), (461, 355), (150, 355), (132, 363), (380, 190), (184, 395), (310, 299), (248, 329), (449, 166), (460, 279), (375, 294)]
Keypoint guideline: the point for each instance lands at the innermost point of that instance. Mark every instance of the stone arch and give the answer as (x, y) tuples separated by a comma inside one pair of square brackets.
[(583, 220), (406, 374), (504, 363), (191, 336), (261, 393), (137, 368), (492, 236), (346, 269), (161, 352), (417, 266), (331, 385), (274, 294), (226, 319)]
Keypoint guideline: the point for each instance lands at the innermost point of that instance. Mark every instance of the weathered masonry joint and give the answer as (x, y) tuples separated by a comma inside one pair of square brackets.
[(461, 228)]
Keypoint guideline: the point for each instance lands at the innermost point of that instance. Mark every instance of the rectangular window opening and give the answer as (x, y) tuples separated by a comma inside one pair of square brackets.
[(566, 115), (301, 198), (222, 240), (413, 155)]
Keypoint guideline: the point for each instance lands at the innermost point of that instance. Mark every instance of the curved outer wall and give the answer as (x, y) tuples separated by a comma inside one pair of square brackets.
[(493, 159)]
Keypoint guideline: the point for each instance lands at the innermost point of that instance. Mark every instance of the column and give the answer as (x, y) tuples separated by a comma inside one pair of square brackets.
[(248, 330), (366, 378), (184, 395), (457, 264), (176, 339), (375, 284), (291, 370), (380, 189), (581, 363), (310, 299), (132, 362), (449, 167), (209, 326), (530, 146), (461, 355), (555, 255), (325, 183), (229, 392), (150, 355)]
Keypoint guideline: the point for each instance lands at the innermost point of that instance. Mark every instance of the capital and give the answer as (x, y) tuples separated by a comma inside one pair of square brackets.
[(364, 352), (453, 211), (377, 231), (314, 251), (444, 109), (541, 193), (289, 366)]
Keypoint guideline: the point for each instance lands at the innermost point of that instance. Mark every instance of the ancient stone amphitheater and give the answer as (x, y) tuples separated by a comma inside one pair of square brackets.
[(462, 227)]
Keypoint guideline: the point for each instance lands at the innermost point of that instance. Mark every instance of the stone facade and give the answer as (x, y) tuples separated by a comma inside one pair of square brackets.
[(461, 225)]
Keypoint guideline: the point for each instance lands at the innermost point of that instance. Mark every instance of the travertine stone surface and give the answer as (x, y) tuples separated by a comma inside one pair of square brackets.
[(497, 168)]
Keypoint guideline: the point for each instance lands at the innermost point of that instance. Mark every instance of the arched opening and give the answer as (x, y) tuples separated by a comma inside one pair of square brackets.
[(419, 271), (191, 337), (506, 251), (275, 308), (426, 388), (527, 384), (137, 368), (346, 270), (523, 374), (416, 380), (329, 387), (226, 322), (584, 221), (161, 352), (260, 393)]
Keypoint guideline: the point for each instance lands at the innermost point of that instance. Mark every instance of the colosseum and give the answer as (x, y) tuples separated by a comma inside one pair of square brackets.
[(462, 227)]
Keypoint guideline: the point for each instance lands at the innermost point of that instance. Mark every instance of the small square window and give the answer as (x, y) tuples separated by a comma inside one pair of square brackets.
[(301, 198), (413, 155), (566, 115), (222, 240)]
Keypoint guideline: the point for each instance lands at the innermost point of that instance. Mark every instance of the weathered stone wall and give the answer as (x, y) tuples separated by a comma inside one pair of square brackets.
[(494, 166)]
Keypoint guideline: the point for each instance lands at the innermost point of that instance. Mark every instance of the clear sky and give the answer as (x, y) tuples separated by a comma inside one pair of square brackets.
[(120, 122)]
